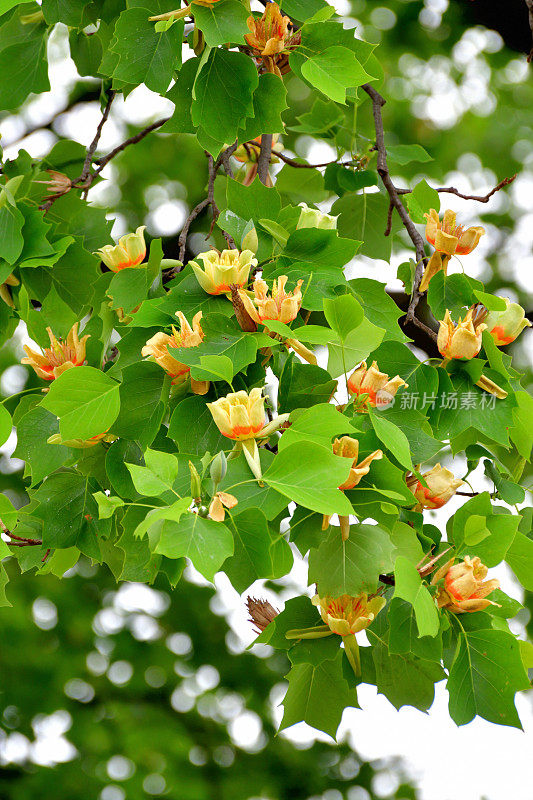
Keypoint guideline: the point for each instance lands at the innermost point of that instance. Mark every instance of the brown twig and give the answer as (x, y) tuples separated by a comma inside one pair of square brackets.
[(132, 140), (85, 178), (377, 103), (94, 144), (207, 201), (298, 164), (428, 331), (483, 198), (265, 154)]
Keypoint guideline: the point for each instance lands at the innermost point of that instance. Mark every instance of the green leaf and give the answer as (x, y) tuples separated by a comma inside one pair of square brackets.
[(250, 495), (477, 524), (222, 22), (270, 101), (33, 431), (158, 476), (406, 153), (5, 424), (151, 524), (422, 198), (303, 385), (404, 635), (143, 397), (222, 96), (486, 673), (309, 685), (68, 509), (522, 431), (318, 424), (324, 116), (452, 292), (251, 559), (364, 217), (193, 429), (353, 566), (85, 400), (206, 543), (490, 301), (69, 13), (520, 559), (297, 613), (409, 587), (107, 504), (404, 679), (11, 239), (180, 94), (8, 515), (24, 68), (320, 247), (343, 314), (379, 307), (146, 56), (223, 337), (310, 474), (333, 71), (393, 438), (357, 345)]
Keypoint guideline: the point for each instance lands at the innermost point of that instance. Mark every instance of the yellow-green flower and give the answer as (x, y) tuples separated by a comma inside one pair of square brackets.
[(222, 270), (462, 339), (129, 252)]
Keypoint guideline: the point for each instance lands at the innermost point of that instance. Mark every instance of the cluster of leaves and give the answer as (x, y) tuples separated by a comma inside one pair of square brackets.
[(129, 504)]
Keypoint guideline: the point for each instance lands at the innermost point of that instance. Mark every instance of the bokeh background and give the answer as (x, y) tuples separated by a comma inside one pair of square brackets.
[(126, 692)]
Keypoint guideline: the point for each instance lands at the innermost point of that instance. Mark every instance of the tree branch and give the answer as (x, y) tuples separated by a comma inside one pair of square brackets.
[(377, 102), (132, 140), (484, 198), (207, 201), (265, 155), (94, 144)]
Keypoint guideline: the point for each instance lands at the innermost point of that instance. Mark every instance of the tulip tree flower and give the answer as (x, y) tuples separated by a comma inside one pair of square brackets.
[(129, 252), (5, 293), (222, 270), (462, 339), (348, 615), (241, 416), (448, 239), (60, 356), (220, 501), (313, 218), (373, 387), (505, 326), (270, 36), (157, 349), (464, 588), (346, 447), (281, 305), (441, 487)]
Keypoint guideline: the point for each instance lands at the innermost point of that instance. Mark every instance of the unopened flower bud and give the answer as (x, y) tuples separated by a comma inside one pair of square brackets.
[(218, 469), (196, 481)]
